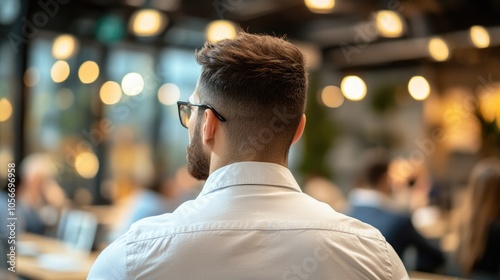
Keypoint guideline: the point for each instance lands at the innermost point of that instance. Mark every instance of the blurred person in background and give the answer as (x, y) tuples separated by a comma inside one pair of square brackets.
[(251, 220), (135, 188), (40, 199), (373, 204), (137, 195), (478, 251)]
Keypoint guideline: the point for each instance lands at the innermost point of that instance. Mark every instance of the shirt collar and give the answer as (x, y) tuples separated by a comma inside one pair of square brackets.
[(250, 173)]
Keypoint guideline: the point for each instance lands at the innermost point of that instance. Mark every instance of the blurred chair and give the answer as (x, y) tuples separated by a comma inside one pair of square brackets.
[(78, 229)]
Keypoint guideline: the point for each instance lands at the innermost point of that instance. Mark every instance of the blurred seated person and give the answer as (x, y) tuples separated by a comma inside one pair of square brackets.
[(373, 205), (40, 199), (137, 197), (133, 191), (479, 248)]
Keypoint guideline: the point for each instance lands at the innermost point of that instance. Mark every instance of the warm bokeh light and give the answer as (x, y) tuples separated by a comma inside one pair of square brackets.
[(220, 29), (86, 165), (110, 93), (147, 22), (320, 6), (389, 24), (479, 36), (489, 102), (487, 108), (5, 158), (64, 98), (5, 109), (332, 96), (88, 72), (419, 88), (432, 110), (462, 130), (60, 71), (438, 49), (169, 94), (64, 46), (353, 88), (132, 84), (31, 77)]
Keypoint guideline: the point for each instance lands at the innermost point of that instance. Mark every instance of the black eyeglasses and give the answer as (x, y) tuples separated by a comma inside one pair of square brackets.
[(185, 109)]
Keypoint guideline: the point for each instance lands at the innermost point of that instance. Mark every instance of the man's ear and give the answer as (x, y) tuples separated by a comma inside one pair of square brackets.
[(209, 127), (300, 129)]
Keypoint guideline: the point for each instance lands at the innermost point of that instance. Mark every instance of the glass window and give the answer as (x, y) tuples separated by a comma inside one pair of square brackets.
[(178, 67), (61, 112)]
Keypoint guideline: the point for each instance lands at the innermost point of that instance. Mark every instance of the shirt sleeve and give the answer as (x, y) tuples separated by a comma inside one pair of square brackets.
[(398, 269), (111, 263)]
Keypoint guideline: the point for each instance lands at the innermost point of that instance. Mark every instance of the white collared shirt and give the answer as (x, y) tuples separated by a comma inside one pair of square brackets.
[(251, 221)]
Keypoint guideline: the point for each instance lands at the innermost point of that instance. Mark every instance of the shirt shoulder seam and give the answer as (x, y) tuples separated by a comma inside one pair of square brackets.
[(257, 229)]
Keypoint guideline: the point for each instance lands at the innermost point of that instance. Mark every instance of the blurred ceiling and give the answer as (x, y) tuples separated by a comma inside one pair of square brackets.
[(344, 26)]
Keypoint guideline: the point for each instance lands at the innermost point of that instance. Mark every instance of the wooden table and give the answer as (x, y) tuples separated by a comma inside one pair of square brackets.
[(54, 260), (416, 275)]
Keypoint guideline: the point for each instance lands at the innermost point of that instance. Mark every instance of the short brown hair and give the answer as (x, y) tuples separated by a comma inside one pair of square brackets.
[(375, 166), (258, 83)]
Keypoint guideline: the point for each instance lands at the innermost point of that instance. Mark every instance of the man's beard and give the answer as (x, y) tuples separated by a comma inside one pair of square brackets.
[(198, 161)]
